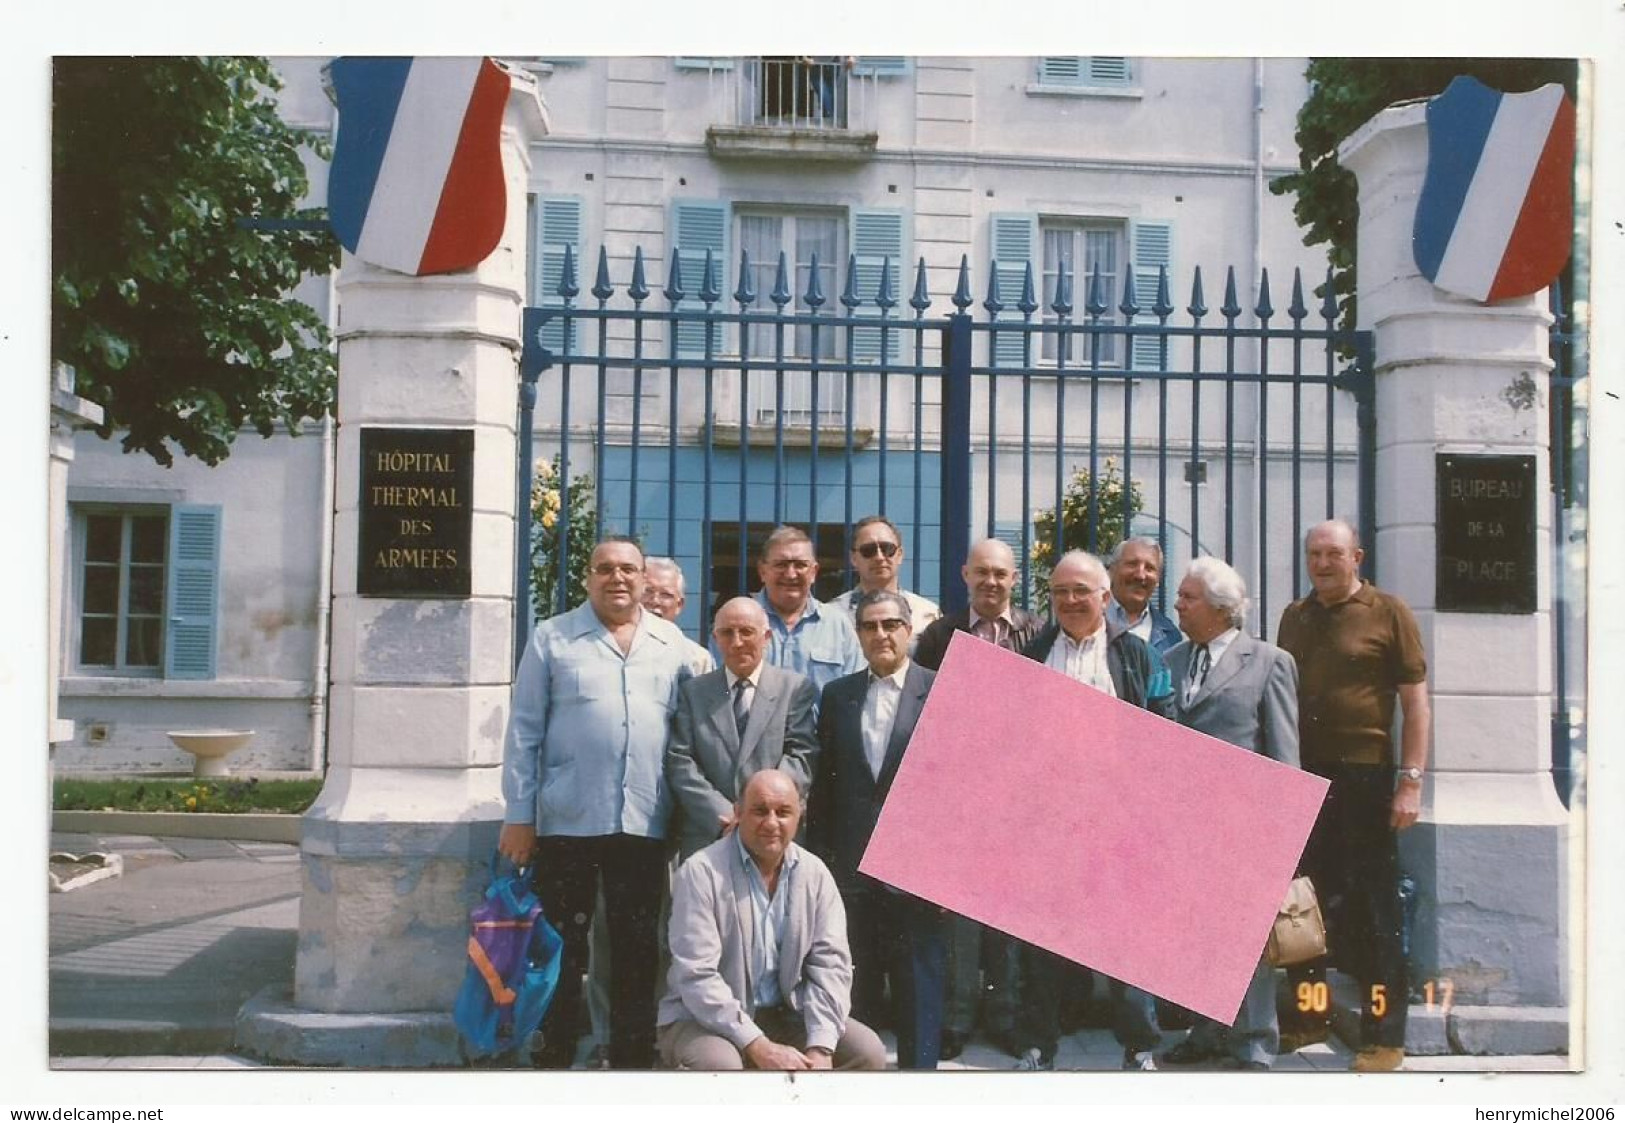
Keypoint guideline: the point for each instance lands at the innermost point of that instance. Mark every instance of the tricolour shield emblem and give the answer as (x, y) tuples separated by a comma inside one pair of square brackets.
[(416, 183), (1496, 215)]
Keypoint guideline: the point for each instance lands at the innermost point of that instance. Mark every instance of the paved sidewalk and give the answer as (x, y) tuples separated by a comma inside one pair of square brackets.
[(159, 960), (148, 970)]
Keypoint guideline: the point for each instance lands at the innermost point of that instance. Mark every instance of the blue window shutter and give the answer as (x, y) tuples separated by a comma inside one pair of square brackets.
[(877, 237), (1109, 70), (883, 66), (703, 62), (193, 596), (1013, 239), (556, 223), (1084, 70), (1153, 248), (698, 225)]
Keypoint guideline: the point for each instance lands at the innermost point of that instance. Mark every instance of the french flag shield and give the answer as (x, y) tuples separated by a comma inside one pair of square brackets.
[(416, 183), (1496, 216)]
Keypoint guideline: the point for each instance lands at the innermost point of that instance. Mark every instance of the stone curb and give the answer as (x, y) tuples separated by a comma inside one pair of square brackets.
[(182, 824), (271, 1029), (96, 1037)]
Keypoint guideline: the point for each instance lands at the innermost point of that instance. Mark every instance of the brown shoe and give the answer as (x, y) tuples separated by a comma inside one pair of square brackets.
[(1378, 1058), (1294, 1039)]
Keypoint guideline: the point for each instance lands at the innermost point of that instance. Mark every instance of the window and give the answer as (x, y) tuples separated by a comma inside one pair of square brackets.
[(121, 592), (1080, 248), (1085, 70), (799, 236), (145, 590), (798, 91)]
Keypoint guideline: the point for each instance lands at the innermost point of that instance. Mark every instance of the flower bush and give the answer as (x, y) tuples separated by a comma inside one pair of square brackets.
[(1109, 522), (548, 519)]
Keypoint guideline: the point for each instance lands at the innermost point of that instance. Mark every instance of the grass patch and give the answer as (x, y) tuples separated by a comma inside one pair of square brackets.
[(223, 795)]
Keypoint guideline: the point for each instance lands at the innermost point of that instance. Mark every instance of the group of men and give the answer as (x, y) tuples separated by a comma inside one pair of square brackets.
[(766, 776)]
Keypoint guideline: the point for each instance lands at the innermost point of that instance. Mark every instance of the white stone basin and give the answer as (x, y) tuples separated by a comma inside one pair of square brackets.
[(209, 747)]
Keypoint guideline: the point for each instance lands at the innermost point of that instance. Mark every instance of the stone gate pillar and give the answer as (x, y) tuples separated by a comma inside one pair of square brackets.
[(394, 850), (1490, 853)]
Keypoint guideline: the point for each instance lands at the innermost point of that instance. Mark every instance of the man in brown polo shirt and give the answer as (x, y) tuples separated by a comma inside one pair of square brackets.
[(1358, 651)]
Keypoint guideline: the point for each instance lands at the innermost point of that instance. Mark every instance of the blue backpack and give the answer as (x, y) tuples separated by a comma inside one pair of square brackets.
[(513, 967)]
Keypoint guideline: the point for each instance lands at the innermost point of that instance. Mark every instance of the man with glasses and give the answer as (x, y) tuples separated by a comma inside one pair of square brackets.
[(806, 637), (583, 780), (733, 723), (1084, 646), (864, 724), (877, 559), (664, 595)]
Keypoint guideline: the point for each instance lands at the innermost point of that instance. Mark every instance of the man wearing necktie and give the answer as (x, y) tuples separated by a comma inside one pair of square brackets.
[(1085, 646), (1244, 691), (865, 721), (734, 722)]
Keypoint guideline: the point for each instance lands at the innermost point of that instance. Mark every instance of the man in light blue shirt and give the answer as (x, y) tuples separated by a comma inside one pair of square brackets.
[(806, 637), (582, 776)]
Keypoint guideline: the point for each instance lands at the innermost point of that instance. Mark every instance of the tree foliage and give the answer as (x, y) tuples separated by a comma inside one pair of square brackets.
[(547, 528), (175, 318), (1108, 522), (1345, 93)]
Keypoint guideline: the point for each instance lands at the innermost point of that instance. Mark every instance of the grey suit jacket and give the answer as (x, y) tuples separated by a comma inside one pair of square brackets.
[(707, 762), (1250, 697), (711, 934)]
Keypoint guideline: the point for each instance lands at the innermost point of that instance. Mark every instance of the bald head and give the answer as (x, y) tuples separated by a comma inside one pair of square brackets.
[(767, 817), (1332, 552), (990, 574), (740, 630)]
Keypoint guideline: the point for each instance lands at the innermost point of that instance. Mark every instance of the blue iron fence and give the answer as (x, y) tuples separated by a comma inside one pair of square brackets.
[(707, 421)]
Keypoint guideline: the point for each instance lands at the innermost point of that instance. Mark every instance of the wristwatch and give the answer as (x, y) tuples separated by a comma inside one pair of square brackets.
[(1411, 774)]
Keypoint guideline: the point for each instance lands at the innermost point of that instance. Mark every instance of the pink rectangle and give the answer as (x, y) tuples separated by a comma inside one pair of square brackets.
[(1093, 828)]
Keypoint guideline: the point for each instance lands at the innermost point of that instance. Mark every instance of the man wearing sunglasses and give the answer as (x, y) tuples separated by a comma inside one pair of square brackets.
[(877, 559), (864, 724)]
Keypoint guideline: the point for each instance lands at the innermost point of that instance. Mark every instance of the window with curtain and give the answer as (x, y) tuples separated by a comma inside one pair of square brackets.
[(800, 236), (1079, 247)]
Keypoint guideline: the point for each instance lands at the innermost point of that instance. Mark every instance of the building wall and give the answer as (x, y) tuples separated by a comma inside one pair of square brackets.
[(269, 492)]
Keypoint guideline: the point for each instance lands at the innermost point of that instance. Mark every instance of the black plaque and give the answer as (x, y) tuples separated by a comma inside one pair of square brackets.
[(1486, 533), (417, 507)]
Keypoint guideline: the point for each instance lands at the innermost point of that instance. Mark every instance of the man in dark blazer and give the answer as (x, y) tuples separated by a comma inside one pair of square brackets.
[(1245, 691), (990, 574), (734, 722), (864, 724), (1083, 645)]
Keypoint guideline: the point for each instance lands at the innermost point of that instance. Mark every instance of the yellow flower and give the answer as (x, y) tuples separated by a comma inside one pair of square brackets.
[(549, 518), (191, 803)]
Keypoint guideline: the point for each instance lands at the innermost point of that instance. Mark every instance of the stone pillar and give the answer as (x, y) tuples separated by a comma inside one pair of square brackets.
[(1490, 853), (395, 849)]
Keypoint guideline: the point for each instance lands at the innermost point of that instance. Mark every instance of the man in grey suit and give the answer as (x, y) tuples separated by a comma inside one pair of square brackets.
[(760, 972), (1245, 691), (734, 722)]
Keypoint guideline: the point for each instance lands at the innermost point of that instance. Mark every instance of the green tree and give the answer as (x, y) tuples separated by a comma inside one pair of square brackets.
[(1345, 93), (1109, 522), (175, 318), (546, 530)]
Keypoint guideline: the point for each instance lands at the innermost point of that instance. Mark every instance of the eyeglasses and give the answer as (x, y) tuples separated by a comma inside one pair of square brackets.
[(611, 569), (660, 596), (870, 549), (889, 625), (784, 565), (1072, 592)]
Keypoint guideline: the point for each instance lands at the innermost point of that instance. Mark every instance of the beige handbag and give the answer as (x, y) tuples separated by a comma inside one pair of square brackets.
[(1299, 934)]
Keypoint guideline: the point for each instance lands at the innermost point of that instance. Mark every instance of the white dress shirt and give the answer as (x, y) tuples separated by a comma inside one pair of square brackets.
[(1084, 661), (880, 714)]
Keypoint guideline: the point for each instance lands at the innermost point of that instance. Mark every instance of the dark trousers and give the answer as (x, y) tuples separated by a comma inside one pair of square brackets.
[(904, 937), (1353, 859), (567, 878), (1043, 978)]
